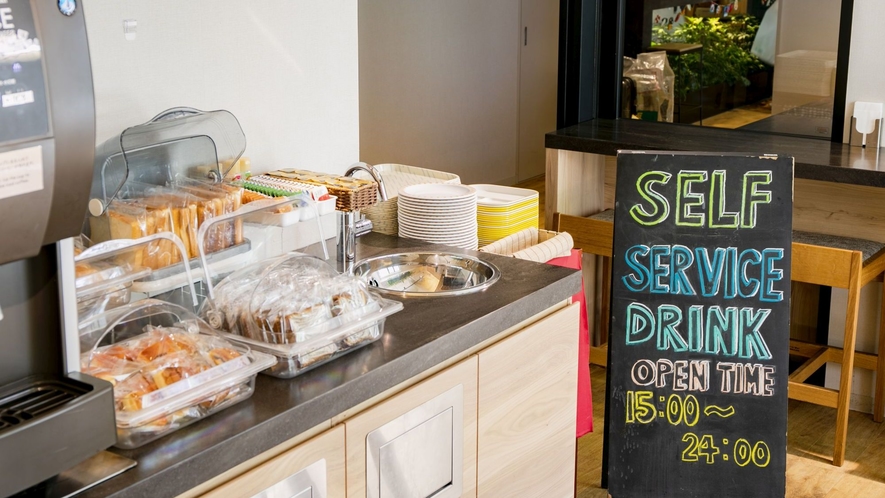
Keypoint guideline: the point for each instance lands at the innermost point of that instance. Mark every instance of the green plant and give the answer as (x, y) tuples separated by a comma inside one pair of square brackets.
[(726, 54)]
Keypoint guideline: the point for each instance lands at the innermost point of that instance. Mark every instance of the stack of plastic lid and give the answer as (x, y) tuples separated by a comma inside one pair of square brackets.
[(502, 211)]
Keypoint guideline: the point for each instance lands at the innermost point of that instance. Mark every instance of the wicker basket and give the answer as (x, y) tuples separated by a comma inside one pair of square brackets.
[(397, 177), (353, 193)]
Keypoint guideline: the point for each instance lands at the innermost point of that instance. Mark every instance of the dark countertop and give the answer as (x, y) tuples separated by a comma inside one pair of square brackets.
[(815, 159), (425, 333)]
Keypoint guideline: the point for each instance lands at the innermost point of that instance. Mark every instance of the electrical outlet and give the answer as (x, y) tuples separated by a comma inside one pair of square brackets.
[(130, 28)]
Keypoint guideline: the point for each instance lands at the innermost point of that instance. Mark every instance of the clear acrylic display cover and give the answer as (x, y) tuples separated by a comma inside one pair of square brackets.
[(297, 308), (169, 368), (178, 143), (104, 285)]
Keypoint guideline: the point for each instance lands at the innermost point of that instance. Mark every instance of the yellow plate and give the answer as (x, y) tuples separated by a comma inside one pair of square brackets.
[(504, 209), (499, 221)]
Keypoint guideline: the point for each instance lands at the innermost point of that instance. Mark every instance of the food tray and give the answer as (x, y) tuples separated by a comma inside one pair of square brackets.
[(168, 367), (352, 194), (498, 198), (363, 328), (302, 213), (103, 286), (108, 277), (96, 304), (212, 258), (399, 176), (500, 220)]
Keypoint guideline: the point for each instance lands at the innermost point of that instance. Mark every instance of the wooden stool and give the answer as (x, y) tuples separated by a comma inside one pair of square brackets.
[(845, 263), (817, 259)]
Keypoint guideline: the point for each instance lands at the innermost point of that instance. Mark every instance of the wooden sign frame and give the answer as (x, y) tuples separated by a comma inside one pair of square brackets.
[(699, 343)]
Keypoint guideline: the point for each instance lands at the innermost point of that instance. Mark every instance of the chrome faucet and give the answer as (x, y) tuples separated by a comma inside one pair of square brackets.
[(350, 224), (368, 168)]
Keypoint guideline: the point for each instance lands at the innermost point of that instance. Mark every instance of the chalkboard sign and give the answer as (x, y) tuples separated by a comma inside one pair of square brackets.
[(699, 339)]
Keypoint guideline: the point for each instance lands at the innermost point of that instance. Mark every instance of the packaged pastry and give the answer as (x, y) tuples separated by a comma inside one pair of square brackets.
[(141, 210), (103, 285), (168, 368), (299, 309)]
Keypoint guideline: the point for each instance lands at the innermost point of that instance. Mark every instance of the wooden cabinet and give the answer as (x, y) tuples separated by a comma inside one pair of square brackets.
[(501, 422), (527, 410), (327, 450), (460, 378)]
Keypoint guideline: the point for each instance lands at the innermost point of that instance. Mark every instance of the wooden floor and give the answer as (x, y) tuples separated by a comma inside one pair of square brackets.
[(735, 118), (809, 442), (809, 451)]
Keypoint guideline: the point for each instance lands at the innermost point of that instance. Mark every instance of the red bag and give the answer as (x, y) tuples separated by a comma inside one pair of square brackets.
[(585, 396)]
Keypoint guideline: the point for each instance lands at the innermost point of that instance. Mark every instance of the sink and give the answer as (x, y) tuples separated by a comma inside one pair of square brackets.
[(427, 274)]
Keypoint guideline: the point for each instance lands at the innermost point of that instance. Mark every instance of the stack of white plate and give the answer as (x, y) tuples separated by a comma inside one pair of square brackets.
[(439, 213)]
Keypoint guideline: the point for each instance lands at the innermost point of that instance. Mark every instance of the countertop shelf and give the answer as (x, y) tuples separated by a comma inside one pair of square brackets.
[(426, 333), (815, 159)]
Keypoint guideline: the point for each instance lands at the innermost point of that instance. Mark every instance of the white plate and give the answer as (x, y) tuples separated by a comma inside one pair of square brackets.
[(466, 244), (437, 215), (437, 220), (470, 199), (437, 191), (447, 234), (440, 228), (438, 236), (438, 210), (437, 223), (439, 204)]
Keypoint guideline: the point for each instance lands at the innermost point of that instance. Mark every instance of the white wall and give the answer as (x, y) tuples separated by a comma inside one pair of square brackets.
[(287, 69), (439, 86), (866, 70)]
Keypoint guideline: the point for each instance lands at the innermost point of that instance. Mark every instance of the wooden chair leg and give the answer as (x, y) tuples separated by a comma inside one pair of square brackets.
[(879, 397), (847, 362)]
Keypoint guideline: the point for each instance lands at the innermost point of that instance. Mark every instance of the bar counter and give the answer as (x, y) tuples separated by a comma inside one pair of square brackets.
[(426, 333)]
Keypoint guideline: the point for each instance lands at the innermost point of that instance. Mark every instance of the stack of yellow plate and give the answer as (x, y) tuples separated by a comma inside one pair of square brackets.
[(502, 211)]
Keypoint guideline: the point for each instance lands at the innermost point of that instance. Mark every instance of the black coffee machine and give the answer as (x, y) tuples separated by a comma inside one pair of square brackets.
[(52, 418)]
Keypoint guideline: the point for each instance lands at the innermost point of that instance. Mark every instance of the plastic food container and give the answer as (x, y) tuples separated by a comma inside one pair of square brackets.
[(298, 309), (103, 285), (168, 367)]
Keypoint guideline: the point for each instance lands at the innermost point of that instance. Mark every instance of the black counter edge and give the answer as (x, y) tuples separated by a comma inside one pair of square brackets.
[(830, 167)]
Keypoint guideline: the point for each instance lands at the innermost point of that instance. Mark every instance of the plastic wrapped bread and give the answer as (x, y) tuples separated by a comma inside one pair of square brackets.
[(297, 308), (166, 376), (180, 209)]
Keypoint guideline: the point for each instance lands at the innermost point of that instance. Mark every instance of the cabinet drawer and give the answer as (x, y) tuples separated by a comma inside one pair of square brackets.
[(313, 469), (420, 452), (420, 442)]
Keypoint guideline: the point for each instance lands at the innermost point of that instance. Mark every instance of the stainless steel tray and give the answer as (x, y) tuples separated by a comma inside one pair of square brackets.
[(427, 274)]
